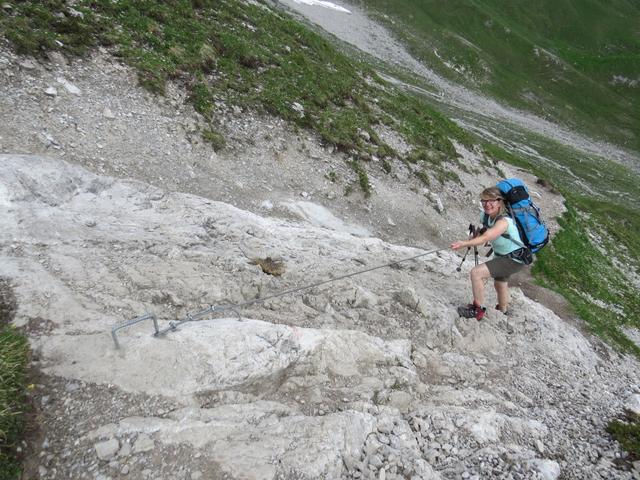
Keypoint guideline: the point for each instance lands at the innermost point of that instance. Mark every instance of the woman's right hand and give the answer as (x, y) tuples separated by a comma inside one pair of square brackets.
[(457, 245)]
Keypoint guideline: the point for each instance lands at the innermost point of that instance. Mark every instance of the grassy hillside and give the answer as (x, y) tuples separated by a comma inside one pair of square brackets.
[(576, 62), (14, 351)]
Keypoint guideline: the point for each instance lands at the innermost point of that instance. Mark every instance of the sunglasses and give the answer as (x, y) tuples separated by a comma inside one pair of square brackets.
[(484, 202)]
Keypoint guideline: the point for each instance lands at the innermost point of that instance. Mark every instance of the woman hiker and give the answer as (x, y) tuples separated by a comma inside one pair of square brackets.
[(505, 248)]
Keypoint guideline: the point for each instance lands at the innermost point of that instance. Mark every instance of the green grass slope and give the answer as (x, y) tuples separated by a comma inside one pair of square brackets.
[(573, 61), (14, 351)]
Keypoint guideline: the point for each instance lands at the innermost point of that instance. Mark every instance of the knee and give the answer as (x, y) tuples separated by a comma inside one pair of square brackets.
[(475, 274)]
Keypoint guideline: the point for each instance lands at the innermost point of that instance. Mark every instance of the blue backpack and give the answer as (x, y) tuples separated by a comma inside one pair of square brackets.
[(526, 214)]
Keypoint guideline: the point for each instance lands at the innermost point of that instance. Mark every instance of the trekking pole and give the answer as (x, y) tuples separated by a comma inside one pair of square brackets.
[(463, 259), (472, 232), (475, 255)]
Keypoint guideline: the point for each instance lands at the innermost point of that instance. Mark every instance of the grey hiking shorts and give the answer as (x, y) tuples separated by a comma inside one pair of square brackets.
[(501, 268)]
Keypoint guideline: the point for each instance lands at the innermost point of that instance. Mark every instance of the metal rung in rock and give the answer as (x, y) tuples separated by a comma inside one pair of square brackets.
[(129, 323), (172, 325)]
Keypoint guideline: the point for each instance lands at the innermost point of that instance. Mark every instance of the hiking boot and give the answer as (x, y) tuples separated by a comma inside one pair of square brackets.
[(472, 310), (504, 312)]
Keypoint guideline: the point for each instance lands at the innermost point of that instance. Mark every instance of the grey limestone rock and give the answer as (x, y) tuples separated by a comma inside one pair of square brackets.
[(107, 450)]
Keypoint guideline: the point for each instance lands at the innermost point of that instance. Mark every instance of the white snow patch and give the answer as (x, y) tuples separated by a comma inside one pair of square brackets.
[(324, 4)]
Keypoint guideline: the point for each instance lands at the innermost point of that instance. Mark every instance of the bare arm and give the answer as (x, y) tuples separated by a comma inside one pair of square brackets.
[(490, 234)]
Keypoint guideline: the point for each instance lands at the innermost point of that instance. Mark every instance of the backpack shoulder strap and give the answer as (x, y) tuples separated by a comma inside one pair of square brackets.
[(485, 222), (506, 234), (509, 237)]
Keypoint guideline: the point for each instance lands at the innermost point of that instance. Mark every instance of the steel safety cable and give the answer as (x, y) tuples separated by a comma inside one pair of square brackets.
[(335, 279), (190, 317)]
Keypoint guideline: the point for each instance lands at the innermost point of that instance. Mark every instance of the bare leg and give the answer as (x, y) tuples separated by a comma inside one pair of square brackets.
[(478, 275), (502, 289)]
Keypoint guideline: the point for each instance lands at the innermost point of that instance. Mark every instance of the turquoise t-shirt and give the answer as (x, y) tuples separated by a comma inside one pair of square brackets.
[(504, 246)]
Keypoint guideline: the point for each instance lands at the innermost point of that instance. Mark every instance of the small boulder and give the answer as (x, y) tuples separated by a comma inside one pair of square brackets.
[(107, 113), (400, 400), (549, 469), (144, 443), (107, 450)]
